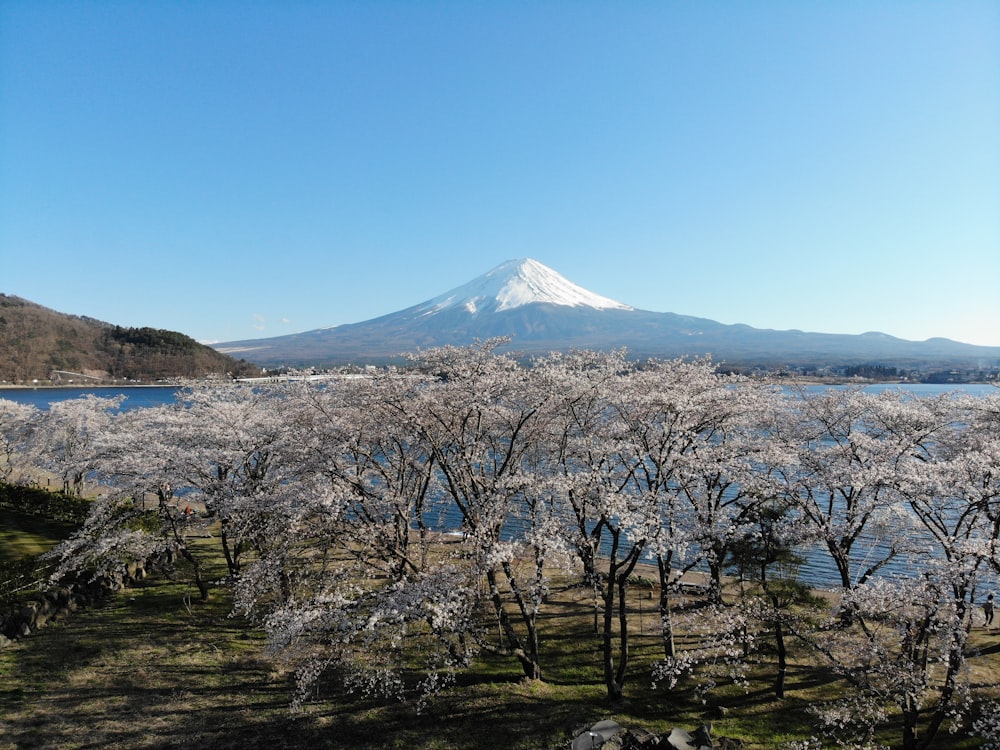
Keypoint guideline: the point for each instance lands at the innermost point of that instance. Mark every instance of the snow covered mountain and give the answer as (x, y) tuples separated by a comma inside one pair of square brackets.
[(543, 312), (514, 284)]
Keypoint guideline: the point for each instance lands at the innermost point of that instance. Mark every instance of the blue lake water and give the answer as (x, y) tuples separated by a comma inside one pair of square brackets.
[(136, 397), (922, 390)]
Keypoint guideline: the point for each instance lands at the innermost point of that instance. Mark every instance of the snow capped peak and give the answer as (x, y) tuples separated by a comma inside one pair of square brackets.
[(516, 283)]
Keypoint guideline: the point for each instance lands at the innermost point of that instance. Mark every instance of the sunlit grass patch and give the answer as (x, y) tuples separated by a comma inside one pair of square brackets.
[(27, 536)]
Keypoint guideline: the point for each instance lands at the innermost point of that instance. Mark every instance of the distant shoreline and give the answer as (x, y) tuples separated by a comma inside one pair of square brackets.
[(787, 380)]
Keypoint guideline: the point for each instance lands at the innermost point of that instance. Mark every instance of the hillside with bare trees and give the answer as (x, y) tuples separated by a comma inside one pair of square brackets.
[(37, 343)]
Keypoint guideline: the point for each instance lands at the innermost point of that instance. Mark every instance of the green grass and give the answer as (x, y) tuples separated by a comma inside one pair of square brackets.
[(153, 667), (27, 536)]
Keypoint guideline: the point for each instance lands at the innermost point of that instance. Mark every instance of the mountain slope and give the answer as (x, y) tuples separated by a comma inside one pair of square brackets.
[(37, 343), (545, 312)]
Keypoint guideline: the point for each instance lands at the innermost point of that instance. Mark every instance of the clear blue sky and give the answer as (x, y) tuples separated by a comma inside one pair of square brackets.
[(237, 170)]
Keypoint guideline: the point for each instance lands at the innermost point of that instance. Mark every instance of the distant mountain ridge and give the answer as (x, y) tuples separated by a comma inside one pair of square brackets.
[(545, 312), (37, 343)]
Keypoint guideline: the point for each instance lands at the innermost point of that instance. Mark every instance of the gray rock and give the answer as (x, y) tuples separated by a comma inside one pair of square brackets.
[(639, 739)]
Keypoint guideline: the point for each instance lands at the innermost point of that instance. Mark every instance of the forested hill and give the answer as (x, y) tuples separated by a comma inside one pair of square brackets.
[(37, 343)]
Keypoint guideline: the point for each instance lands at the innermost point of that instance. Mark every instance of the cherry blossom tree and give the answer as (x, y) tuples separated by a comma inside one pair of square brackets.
[(370, 634), (213, 457), (986, 726), (847, 447), (953, 492), (16, 424), (386, 462), (235, 449), (65, 441), (135, 460), (971, 465), (607, 520), (352, 586), (672, 416), (479, 418), (765, 559), (631, 448), (356, 435), (907, 646), (904, 628), (575, 439), (723, 458)]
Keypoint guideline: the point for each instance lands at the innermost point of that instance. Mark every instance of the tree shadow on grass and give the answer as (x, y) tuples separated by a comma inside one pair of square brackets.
[(987, 646), (521, 716), (142, 670), (152, 669)]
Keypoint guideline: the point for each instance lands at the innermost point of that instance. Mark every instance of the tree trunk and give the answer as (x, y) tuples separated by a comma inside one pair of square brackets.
[(623, 635), (617, 588), (842, 561), (715, 579), (910, 715), (231, 562), (779, 639), (666, 619), (198, 581), (614, 689), (532, 670), (591, 577), (956, 661)]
